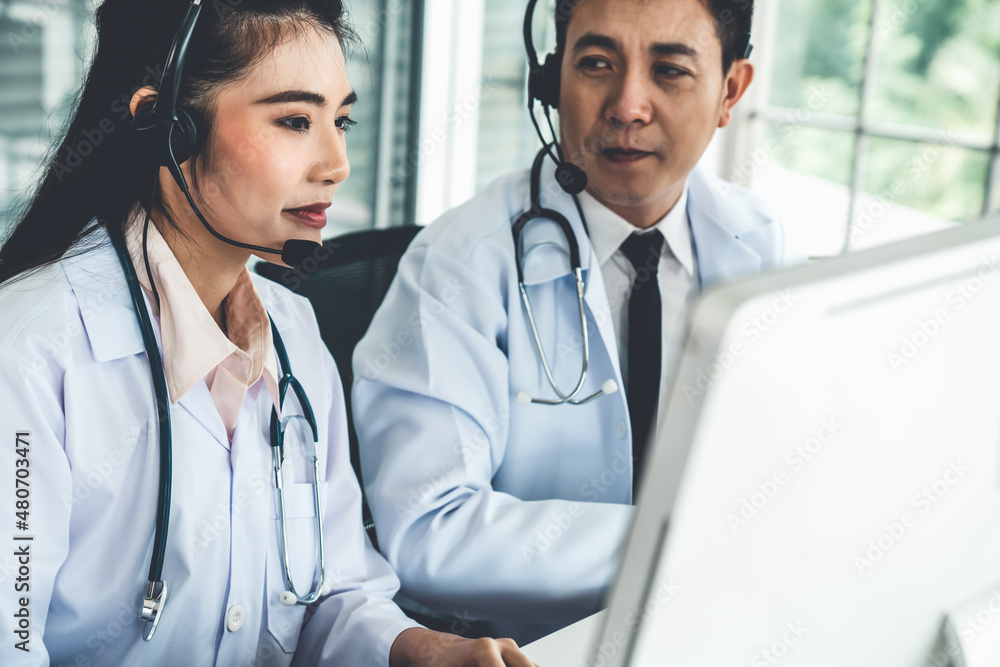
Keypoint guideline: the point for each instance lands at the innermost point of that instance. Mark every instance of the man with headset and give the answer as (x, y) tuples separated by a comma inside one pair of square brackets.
[(508, 386)]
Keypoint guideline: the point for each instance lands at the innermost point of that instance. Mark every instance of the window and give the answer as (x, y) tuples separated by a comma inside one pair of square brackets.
[(872, 121), (41, 49), (507, 140)]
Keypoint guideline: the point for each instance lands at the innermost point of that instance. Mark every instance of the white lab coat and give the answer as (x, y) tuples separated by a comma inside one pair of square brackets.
[(74, 374), (488, 508)]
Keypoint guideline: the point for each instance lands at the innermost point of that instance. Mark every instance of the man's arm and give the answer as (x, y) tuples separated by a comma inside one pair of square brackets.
[(431, 404)]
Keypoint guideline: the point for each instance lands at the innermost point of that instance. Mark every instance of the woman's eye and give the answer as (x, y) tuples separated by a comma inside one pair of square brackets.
[(345, 123), (299, 123)]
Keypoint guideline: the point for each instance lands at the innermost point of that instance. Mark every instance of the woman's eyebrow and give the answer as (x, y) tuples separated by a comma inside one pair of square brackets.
[(306, 96)]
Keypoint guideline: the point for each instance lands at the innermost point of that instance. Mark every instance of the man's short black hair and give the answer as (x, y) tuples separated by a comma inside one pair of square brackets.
[(733, 19)]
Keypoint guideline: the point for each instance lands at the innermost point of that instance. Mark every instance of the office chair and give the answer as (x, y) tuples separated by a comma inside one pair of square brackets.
[(345, 289)]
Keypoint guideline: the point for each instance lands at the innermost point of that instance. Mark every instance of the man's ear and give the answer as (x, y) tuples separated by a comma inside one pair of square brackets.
[(143, 96), (736, 83)]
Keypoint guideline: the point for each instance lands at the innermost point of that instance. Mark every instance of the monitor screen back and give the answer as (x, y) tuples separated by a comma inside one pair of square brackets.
[(829, 460)]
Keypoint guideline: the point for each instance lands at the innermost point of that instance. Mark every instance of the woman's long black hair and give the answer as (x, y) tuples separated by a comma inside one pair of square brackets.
[(98, 170)]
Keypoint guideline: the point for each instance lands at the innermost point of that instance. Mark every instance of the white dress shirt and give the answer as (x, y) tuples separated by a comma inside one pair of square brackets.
[(676, 273)]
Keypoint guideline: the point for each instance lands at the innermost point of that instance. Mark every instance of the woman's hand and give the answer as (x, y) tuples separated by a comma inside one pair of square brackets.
[(426, 648)]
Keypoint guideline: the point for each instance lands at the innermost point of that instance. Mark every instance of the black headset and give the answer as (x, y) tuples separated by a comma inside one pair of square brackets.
[(543, 85), (169, 135), (543, 78), (165, 130)]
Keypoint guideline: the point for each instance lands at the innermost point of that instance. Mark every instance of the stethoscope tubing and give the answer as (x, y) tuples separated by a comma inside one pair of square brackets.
[(162, 408), (536, 212), (155, 598)]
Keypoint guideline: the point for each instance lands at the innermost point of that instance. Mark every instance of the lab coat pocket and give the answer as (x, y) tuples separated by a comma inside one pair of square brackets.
[(285, 621)]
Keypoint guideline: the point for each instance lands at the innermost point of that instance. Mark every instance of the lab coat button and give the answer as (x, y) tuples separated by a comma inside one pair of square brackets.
[(235, 618), (622, 428)]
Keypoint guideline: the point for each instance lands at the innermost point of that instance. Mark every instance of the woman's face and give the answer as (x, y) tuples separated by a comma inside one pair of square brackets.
[(277, 151)]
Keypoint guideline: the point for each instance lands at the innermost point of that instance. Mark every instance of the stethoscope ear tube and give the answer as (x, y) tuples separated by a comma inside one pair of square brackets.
[(153, 602)]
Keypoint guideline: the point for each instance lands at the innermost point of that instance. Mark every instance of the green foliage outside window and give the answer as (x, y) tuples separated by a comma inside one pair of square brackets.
[(936, 67)]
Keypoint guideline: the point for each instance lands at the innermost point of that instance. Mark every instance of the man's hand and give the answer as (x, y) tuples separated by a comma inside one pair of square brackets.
[(420, 647)]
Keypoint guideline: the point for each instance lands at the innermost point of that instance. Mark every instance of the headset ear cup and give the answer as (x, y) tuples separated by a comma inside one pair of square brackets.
[(165, 139), (148, 130), (549, 88), (184, 137)]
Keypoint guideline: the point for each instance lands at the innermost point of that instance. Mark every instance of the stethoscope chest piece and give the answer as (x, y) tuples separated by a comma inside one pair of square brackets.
[(152, 606)]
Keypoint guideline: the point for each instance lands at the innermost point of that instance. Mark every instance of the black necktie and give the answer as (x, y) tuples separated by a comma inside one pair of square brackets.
[(644, 342)]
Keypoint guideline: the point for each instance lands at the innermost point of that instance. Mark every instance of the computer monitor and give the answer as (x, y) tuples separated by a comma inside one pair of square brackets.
[(824, 487)]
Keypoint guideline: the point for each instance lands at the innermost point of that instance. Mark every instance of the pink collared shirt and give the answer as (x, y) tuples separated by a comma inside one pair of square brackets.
[(192, 344)]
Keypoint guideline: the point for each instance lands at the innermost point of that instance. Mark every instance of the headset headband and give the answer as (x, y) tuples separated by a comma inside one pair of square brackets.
[(170, 84)]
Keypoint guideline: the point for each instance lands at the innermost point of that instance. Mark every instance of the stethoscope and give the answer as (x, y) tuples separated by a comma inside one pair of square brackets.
[(156, 594), (536, 212)]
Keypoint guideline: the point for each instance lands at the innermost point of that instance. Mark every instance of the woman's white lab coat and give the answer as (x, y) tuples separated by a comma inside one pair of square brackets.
[(75, 378), (488, 508)]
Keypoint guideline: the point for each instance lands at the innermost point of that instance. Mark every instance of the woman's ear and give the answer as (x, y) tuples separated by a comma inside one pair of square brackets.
[(143, 96)]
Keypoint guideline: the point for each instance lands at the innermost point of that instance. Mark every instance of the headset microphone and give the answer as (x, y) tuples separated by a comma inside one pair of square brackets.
[(571, 178), (293, 253), (169, 135)]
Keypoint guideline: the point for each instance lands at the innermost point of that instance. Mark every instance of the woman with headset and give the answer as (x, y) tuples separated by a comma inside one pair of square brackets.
[(175, 493)]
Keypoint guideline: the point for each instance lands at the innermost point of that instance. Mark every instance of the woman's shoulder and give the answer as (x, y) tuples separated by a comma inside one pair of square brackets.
[(36, 299), (57, 309)]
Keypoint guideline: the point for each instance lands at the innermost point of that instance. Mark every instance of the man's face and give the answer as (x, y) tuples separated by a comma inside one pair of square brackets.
[(642, 92)]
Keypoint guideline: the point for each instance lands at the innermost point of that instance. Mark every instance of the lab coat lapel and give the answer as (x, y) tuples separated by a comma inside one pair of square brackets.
[(98, 283), (198, 403), (716, 227), (595, 295)]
